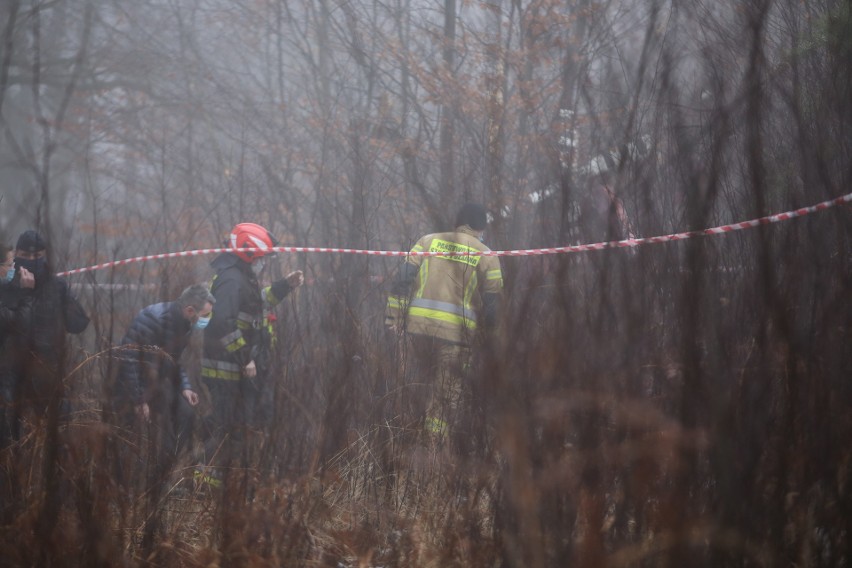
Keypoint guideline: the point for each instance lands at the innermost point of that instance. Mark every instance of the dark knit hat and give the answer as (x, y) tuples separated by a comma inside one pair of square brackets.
[(472, 215), (31, 241)]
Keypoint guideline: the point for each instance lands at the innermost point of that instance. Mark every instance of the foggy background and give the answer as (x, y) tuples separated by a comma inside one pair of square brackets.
[(675, 404)]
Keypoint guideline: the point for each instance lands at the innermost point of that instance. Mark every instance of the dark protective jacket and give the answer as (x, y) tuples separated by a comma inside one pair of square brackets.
[(40, 333), (233, 337), (154, 342)]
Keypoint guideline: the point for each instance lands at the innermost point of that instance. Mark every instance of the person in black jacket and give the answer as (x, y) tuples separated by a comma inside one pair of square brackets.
[(153, 390), (34, 349), (233, 342), (14, 312), (151, 384), (14, 307)]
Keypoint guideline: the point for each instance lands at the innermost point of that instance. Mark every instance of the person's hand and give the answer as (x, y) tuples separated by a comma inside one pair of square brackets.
[(143, 411), (296, 278), (27, 279), (191, 396), (250, 370), (392, 324)]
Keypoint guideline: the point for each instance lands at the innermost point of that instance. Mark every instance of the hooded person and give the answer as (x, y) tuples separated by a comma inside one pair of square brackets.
[(34, 349), (15, 311)]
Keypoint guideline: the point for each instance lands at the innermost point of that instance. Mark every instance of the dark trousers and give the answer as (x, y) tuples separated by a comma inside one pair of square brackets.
[(29, 390), (156, 445), (232, 416), (8, 419), (26, 390)]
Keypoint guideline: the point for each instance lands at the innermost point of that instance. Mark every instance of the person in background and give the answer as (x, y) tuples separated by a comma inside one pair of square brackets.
[(34, 348), (442, 304), (233, 343), (14, 312)]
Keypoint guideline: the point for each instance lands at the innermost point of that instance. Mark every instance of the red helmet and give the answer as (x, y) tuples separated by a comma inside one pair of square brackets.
[(250, 235)]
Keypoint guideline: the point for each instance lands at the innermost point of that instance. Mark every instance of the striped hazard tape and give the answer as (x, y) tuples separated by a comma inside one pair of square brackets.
[(626, 243)]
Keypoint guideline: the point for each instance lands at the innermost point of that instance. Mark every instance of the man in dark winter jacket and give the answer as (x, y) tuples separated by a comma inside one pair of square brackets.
[(151, 383), (31, 365), (233, 340), (14, 307), (15, 311)]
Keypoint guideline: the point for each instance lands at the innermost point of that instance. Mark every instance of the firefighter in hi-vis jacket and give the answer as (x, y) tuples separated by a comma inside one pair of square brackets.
[(442, 303), (232, 367)]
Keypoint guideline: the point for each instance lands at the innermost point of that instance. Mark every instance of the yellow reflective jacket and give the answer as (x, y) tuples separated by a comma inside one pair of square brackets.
[(446, 296)]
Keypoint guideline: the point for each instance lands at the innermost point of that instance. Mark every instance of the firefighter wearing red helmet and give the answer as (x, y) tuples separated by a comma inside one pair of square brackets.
[(233, 340), (250, 236)]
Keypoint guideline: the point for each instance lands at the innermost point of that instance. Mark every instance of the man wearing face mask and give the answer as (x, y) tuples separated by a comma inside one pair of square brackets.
[(33, 350), (233, 340), (443, 304), (151, 383)]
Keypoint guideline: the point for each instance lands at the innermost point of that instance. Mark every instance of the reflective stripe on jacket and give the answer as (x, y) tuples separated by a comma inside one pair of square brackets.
[(442, 296), (232, 331), (233, 337)]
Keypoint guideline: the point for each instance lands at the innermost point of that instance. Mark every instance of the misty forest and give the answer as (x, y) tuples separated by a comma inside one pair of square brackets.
[(686, 402)]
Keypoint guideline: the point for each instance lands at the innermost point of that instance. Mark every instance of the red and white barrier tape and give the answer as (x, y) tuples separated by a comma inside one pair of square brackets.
[(527, 252)]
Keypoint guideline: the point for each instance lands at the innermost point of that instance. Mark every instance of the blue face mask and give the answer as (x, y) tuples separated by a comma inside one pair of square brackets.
[(8, 276), (202, 322)]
